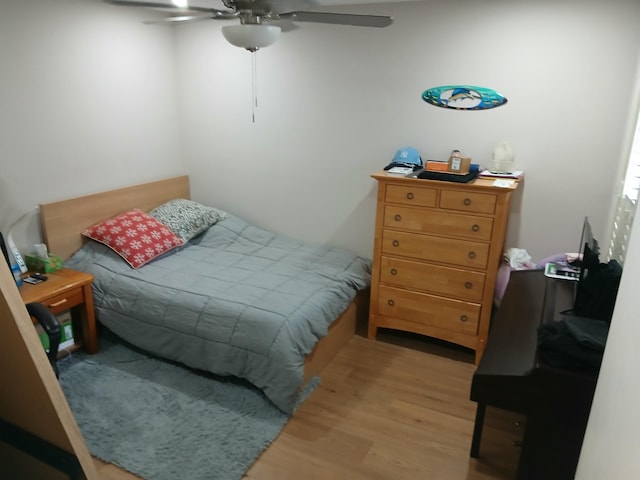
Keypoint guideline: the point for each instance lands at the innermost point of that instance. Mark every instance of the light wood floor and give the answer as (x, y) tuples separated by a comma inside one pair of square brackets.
[(394, 409)]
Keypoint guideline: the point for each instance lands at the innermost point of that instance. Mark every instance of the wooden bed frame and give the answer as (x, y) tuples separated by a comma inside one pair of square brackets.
[(63, 221)]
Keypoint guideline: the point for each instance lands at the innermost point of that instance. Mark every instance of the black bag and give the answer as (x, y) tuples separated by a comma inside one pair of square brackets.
[(597, 291), (448, 177), (575, 343)]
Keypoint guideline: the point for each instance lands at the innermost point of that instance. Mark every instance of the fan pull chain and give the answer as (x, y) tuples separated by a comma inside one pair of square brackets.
[(254, 86)]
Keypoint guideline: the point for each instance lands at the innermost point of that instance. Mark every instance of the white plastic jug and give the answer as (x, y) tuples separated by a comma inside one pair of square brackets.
[(503, 158)]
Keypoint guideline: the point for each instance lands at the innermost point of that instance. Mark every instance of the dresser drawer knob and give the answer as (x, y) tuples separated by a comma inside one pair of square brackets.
[(394, 271), (475, 228), (395, 243), (398, 217), (471, 255), (464, 318), (390, 302), (468, 285), (467, 202), (410, 196), (58, 303)]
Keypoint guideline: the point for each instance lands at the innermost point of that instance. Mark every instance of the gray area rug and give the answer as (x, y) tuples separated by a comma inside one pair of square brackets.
[(162, 421)]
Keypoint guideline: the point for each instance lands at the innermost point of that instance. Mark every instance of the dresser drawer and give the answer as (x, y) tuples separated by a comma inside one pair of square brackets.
[(468, 201), (438, 222), (420, 196), (437, 249), (432, 278), (429, 310)]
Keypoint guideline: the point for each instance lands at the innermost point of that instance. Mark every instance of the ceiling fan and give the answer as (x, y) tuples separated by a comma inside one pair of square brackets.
[(259, 19)]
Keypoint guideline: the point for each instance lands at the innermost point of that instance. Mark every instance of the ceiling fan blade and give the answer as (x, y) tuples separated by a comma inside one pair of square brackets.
[(138, 4), (340, 19), (167, 6), (177, 19), (285, 25), (271, 7)]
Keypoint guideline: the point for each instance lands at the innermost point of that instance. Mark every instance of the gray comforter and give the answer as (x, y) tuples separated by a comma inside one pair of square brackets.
[(237, 300)]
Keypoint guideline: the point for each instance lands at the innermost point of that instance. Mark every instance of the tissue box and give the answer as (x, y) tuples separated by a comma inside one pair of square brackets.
[(43, 265)]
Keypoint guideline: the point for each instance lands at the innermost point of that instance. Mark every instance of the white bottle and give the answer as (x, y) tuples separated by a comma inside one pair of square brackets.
[(15, 269)]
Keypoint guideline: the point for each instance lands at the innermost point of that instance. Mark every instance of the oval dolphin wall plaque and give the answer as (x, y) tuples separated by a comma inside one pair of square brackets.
[(463, 97)]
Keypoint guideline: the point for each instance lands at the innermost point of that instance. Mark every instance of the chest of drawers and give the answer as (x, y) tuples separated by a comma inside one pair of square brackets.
[(437, 249)]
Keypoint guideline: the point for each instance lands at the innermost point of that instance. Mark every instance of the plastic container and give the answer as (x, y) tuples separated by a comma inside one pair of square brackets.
[(17, 274)]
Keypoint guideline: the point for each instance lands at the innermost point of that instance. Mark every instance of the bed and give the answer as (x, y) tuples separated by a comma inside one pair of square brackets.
[(234, 300)]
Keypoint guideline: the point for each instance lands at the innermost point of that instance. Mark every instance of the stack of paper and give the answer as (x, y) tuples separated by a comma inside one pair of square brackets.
[(490, 174), (400, 170)]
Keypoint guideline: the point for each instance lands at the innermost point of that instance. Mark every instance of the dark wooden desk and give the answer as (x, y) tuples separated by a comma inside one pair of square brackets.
[(556, 401)]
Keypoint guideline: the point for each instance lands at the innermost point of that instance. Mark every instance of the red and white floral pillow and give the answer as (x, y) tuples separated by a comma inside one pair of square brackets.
[(137, 237)]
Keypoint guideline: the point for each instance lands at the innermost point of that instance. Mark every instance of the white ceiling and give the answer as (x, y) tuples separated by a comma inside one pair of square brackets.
[(320, 3)]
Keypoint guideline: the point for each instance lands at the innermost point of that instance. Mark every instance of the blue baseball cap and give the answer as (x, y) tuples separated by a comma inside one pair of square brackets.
[(409, 156)]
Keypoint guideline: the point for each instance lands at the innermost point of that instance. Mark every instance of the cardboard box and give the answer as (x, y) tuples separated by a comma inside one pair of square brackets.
[(436, 166), (43, 265), (459, 165)]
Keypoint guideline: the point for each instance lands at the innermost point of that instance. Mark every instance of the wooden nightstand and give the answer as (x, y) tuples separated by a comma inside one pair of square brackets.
[(68, 289)]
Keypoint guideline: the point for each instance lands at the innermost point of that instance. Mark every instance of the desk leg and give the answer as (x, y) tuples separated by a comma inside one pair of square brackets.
[(477, 430), (89, 330)]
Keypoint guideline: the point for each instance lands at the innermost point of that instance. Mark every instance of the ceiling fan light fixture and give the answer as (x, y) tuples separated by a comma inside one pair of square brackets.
[(251, 36)]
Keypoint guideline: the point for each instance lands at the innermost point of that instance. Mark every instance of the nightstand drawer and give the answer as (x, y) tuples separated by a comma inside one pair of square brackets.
[(420, 196), (65, 301), (432, 278), (429, 310), (468, 201), (438, 222), (437, 249)]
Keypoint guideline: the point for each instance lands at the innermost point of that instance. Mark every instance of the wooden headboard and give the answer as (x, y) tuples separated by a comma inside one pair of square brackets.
[(64, 221)]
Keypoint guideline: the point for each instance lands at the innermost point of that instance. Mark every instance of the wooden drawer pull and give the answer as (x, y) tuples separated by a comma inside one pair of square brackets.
[(397, 218), (475, 228), (395, 243), (391, 303), (471, 255), (58, 303), (467, 202), (464, 318), (468, 285), (410, 196), (394, 271)]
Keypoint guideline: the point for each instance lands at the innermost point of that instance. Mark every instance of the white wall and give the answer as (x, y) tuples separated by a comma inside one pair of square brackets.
[(91, 98), (97, 99), (335, 103), (610, 448), (87, 103)]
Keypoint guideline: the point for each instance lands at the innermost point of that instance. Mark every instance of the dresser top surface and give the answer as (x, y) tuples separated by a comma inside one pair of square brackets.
[(478, 183)]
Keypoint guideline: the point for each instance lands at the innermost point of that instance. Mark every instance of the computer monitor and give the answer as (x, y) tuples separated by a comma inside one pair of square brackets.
[(589, 261), (589, 249), (598, 283)]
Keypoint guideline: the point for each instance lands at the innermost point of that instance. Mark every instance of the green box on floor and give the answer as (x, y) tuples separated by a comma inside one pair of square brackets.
[(43, 265), (66, 332)]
